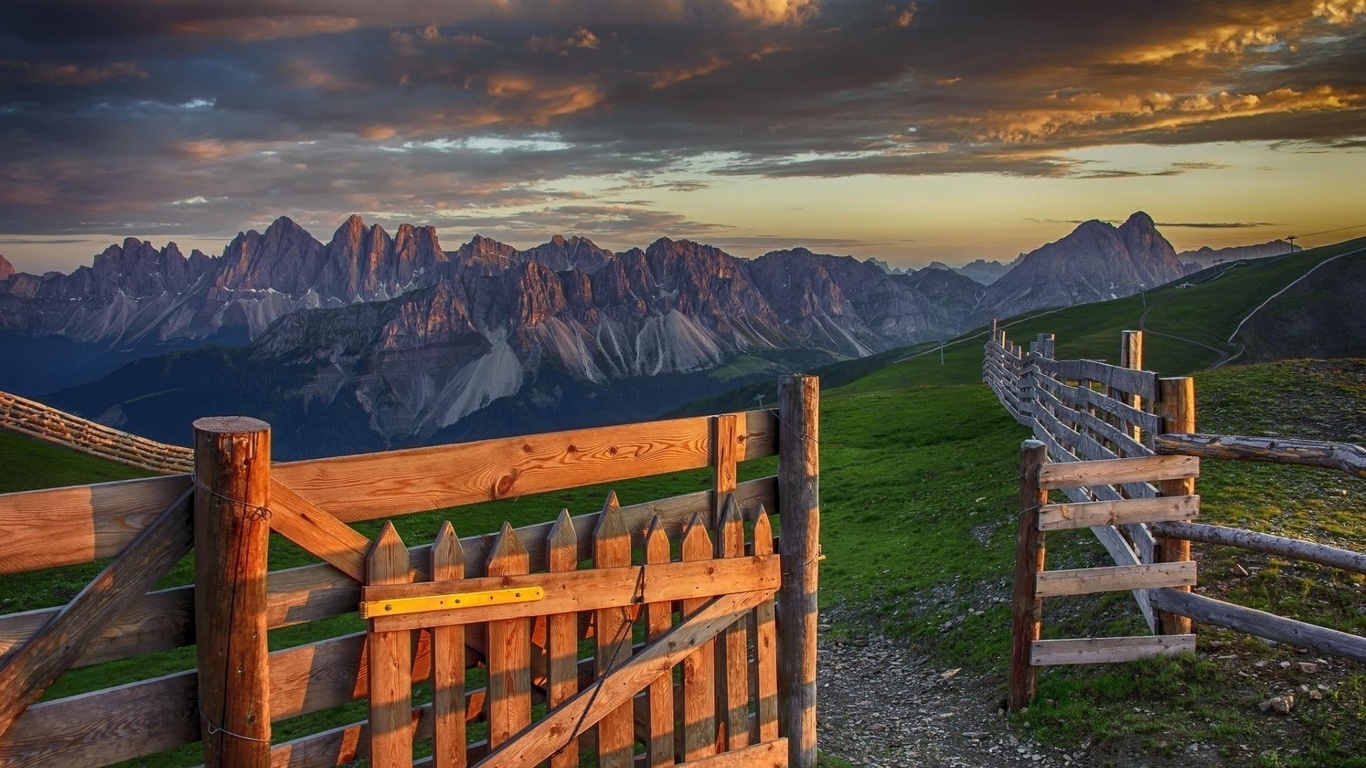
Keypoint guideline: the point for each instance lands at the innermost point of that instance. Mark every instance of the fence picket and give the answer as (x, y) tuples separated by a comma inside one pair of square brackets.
[(659, 619), (509, 649), (699, 690), (732, 662), (562, 634), (612, 548), (391, 683), (765, 640), (448, 661)]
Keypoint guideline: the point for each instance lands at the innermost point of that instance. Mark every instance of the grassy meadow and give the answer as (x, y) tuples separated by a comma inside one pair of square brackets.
[(918, 494)]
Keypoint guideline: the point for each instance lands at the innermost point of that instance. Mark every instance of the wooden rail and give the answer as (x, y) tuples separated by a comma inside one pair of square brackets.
[(312, 503), (42, 422)]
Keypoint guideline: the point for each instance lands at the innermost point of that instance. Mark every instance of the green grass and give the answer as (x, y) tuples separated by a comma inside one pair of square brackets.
[(40, 465)]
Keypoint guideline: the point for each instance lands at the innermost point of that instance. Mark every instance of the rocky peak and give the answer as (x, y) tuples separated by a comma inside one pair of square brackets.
[(562, 254), (6, 268), (483, 256)]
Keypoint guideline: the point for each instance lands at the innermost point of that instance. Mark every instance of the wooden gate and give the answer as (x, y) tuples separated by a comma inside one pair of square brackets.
[(709, 614)]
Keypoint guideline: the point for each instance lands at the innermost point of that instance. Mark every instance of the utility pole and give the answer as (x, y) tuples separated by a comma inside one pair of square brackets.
[(1291, 239)]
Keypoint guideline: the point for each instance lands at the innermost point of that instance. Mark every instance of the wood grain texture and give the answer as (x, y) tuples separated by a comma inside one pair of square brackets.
[(771, 754), (91, 521), (765, 642), (378, 485), (799, 508), (156, 621), (732, 652), (1253, 622), (698, 688), (231, 545), (1026, 606), (448, 661), (607, 694), (726, 450), (1281, 546), (509, 649), (1344, 457), (1058, 517), (612, 637), (658, 621), (1177, 407), (390, 656), (31, 668), (308, 525), (1086, 581), (562, 634), (1112, 471), (34, 419), (590, 590), (1108, 650)]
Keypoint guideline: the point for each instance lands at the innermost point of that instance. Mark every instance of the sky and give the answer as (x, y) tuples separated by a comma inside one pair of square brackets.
[(911, 131)]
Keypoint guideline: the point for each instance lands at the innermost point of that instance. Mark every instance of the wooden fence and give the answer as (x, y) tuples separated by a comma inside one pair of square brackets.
[(706, 619), (1121, 445), (42, 422), (1087, 410)]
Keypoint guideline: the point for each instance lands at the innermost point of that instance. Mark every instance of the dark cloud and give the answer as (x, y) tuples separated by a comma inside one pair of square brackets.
[(1218, 224), (202, 116)]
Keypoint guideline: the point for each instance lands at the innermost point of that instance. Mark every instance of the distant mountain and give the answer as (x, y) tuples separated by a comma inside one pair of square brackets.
[(983, 271), (1097, 261), (1208, 257), (6, 268)]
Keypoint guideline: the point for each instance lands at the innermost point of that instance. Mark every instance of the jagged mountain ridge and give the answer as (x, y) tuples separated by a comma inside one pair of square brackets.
[(1208, 257)]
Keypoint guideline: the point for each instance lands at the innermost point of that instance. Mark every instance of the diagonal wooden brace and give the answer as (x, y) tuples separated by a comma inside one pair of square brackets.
[(576, 716)]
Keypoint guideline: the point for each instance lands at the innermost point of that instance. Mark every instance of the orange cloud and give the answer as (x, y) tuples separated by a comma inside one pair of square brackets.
[(268, 28)]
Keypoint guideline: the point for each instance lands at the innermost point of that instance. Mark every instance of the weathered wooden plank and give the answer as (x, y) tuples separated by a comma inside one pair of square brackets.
[(1083, 397), (607, 694), (772, 754), (732, 652), (448, 661), (612, 636), (31, 668), (598, 589), (308, 525), (390, 656), (1121, 438), (106, 726), (1142, 383), (726, 450), (1030, 553), (1106, 650), (761, 434), (509, 643), (1280, 546), (1253, 622), (699, 669), (1344, 457), (370, 486), (658, 621), (156, 621), (91, 521), (1058, 517), (765, 641), (1086, 581), (1112, 471)]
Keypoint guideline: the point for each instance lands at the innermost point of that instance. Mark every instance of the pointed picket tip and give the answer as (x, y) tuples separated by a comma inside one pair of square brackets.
[(562, 532), (695, 536), (610, 522), (763, 532), (388, 556), (656, 542), (507, 545), (563, 544), (448, 555)]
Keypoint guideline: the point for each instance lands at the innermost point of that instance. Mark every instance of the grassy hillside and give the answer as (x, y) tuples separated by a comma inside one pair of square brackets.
[(40, 465)]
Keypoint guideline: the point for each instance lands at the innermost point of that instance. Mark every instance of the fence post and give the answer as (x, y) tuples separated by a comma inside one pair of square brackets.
[(1131, 357), (799, 513), (1027, 607), (1177, 406), (231, 536)]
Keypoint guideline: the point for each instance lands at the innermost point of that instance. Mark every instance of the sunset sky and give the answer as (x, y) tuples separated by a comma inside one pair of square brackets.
[(910, 131)]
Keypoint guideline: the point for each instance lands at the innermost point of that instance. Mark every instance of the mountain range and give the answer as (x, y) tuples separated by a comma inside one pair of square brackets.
[(392, 340)]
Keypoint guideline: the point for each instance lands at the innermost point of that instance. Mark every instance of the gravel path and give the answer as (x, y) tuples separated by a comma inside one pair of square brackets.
[(882, 706)]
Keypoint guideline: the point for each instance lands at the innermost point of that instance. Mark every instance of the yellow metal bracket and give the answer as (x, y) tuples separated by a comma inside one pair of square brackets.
[(402, 605)]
